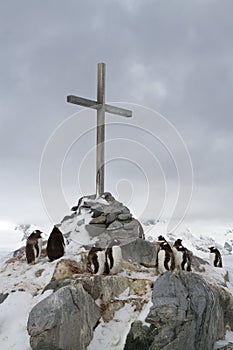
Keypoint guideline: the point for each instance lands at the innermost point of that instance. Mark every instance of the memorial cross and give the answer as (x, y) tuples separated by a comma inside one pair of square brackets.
[(101, 108)]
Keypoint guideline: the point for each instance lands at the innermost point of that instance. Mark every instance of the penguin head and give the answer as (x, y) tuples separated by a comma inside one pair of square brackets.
[(37, 233), (179, 241), (56, 230), (161, 238), (212, 249), (162, 244)]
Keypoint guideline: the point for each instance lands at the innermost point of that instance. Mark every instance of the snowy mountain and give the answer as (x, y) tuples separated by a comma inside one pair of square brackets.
[(22, 284)]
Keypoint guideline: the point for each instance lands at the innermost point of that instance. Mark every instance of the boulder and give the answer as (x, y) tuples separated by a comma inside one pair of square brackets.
[(124, 217), (187, 313), (98, 220), (95, 230), (115, 225), (67, 268), (64, 320), (111, 217), (140, 251)]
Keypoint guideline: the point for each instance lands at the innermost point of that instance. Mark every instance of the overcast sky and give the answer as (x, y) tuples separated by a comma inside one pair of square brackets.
[(174, 57)]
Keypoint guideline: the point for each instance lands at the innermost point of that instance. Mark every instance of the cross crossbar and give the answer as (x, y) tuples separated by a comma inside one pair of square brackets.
[(84, 102)]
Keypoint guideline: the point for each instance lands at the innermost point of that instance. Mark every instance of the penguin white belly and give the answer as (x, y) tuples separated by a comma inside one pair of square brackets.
[(34, 254), (212, 258), (178, 258), (161, 259), (117, 260), (39, 242), (101, 261), (170, 264)]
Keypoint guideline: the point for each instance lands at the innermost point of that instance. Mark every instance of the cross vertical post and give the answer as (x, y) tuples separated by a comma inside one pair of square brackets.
[(100, 137), (101, 107)]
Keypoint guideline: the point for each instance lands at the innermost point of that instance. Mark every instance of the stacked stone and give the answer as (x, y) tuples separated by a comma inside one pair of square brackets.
[(110, 220)]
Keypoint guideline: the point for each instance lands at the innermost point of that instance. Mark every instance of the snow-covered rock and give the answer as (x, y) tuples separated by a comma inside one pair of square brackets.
[(103, 220), (122, 299)]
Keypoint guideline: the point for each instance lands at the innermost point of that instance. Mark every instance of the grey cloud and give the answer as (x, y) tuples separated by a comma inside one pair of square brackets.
[(174, 57)]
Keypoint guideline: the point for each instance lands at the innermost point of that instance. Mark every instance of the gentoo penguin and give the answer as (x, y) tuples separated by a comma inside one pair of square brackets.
[(182, 256), (113, 258), (105, 261), (165, 257), (55, 245), (96, 261), (215, 257), (33, 246)]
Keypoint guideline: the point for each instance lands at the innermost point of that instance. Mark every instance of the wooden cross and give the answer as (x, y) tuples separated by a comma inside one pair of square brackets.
[(101, 108)]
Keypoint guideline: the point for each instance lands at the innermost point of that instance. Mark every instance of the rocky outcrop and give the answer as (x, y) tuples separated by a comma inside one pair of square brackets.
[(109, 220), (187, 313), (64, 320)]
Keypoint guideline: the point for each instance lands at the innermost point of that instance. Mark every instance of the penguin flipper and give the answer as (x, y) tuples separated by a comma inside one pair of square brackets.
[(36, 246)]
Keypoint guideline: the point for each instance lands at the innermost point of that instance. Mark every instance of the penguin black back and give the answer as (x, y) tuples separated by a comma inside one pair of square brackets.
[(169, 261), (93, 263), (109, 261), (55, 245)]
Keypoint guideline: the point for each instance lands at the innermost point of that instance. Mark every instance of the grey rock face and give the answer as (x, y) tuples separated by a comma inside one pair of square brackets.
[(187, 313), (228, 247), (3, 297), (111, 217), (140, 337), (115, 225), (95, 230), (42, 345), (124, 217), (140, 251), (227, 347), (64, 320)]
